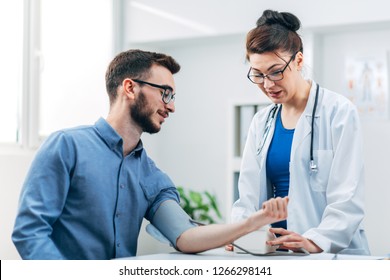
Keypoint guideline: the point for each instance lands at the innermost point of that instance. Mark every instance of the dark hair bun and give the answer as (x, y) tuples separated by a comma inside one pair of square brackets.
[(285, 19)]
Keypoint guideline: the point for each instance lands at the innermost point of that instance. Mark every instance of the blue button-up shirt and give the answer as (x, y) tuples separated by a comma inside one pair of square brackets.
[(83, 199)]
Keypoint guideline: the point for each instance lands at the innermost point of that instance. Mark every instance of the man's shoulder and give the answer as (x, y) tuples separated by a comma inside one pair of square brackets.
[(74, 132), (78, 129), (69, 136)]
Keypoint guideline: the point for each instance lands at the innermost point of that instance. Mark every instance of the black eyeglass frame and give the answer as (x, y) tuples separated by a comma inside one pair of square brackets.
[(166, 98), (281, 71)]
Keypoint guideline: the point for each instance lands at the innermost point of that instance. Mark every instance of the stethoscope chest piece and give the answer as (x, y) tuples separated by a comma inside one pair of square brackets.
[(313, 167)]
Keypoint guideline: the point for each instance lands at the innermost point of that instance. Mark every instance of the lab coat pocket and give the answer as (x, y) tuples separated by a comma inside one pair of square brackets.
[(319, 180)]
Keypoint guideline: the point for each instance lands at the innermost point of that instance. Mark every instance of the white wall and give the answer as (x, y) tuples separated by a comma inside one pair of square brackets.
[(13, 168), (192, 146), (337, 48)]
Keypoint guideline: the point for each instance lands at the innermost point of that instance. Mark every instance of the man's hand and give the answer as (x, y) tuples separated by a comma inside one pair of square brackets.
[(272, 211)]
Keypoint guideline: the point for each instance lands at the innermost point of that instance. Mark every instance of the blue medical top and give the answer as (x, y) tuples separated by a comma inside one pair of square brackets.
[(278, 162), (82, 199)]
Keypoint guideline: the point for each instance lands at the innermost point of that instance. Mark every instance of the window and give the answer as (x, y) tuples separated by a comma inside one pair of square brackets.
[(76, 49), (11, 30), (53, 60)]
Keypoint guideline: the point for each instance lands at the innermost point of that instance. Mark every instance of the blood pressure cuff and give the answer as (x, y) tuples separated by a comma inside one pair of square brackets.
[(169, 222)]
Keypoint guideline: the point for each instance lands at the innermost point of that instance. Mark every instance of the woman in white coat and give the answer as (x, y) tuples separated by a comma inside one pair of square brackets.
[(318, 165)]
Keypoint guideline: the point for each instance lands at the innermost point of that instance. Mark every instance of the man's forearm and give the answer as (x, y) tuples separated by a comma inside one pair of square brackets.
[(203, 238)]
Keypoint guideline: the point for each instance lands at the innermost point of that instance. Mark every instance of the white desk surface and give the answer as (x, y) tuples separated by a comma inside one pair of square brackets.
[(222, 254)]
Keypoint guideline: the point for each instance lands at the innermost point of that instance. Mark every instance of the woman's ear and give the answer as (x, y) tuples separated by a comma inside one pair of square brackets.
[(299, 60)]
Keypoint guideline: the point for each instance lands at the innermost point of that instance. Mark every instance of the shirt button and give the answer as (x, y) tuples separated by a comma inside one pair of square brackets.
[(118, 244), (122, 186), (117, 215)]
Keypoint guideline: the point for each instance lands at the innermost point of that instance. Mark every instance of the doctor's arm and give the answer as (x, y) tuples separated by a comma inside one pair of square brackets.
[(200, 238), (344, 211)]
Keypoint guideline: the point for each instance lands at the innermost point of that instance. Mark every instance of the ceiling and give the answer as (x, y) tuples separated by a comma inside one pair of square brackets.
[(159, 20)]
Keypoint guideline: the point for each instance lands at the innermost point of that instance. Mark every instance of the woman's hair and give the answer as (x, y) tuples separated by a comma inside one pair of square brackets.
[(274, 31)]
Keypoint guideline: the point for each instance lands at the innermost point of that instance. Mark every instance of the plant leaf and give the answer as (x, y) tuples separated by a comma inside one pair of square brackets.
[(213, 203), (199, 205), (196, 197)]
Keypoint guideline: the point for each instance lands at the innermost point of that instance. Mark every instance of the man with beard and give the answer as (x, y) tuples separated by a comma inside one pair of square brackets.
[(89, 187)]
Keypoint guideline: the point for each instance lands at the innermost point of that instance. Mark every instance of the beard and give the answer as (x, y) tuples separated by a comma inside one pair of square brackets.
[(141, 113)]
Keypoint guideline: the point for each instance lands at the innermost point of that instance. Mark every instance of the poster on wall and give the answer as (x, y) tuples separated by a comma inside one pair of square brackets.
[(367, 83)]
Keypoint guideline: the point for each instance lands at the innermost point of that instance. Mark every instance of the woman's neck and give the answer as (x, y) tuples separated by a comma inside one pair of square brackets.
[(292, 111)]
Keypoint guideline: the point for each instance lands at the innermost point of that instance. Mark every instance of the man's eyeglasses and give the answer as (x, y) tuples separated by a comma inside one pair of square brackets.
[(166, 93), (274, 76)]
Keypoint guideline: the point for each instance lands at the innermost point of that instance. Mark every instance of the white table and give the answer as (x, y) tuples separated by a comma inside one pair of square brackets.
[(222, 254)]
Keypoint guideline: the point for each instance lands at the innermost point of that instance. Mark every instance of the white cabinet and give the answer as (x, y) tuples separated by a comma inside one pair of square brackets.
[(242, 113)]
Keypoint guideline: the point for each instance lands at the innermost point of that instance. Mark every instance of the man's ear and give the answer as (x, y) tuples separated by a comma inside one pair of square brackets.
[(128, 86)]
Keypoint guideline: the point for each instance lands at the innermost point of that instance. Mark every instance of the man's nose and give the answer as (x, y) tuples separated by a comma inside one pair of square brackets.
[(171, 106)]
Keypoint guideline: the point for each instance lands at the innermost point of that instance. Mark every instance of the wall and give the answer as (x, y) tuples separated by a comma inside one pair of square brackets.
[(337, 48), (13, 168), (193, 145)]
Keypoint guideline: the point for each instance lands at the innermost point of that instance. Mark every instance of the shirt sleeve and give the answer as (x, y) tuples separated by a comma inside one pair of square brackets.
[(42, 199)]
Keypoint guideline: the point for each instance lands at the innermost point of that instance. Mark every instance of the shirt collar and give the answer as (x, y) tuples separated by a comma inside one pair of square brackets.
[(111, 137)]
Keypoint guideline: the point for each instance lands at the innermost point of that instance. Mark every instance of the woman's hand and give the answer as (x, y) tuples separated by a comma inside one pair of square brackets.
[(293, 241)]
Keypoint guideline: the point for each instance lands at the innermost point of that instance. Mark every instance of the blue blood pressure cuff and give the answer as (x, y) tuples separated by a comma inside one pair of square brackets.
[(169, 222)]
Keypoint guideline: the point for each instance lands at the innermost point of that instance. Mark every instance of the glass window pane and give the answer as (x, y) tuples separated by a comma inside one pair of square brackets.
[(76, 43), (11, 51)]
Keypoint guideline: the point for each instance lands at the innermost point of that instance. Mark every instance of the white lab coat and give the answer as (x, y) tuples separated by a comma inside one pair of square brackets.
[(326, 206)]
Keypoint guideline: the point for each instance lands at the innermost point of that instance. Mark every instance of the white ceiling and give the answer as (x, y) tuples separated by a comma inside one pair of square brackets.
[(156, 20)]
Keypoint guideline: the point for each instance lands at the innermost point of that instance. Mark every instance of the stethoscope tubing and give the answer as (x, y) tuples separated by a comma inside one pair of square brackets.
[(271, 117), (313, 166), (268, 123)]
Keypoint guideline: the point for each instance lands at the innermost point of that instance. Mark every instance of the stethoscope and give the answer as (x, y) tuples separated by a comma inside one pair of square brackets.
[(268, 124)]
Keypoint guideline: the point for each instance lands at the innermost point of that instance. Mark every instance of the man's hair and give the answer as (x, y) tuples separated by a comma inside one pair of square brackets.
[(135, 64)]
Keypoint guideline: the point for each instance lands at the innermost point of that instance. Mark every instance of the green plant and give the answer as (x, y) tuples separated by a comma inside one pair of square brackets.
[(200, 206)]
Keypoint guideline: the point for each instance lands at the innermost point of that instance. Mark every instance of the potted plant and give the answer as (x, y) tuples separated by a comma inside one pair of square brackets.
[(200, 206)]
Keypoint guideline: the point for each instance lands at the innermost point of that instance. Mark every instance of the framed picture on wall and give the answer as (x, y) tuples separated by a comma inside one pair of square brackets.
[(367, 83)]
